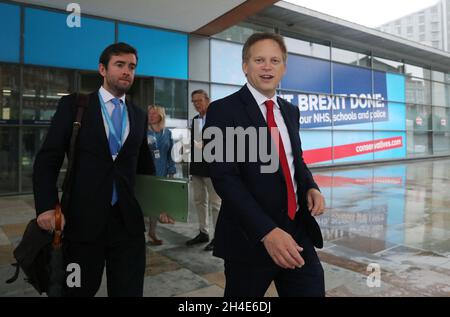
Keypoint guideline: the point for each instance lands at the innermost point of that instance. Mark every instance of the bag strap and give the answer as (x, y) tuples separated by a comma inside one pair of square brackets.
[(81, 102)]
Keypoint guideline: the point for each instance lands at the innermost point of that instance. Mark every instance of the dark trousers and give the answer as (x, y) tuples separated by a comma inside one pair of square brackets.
[(122, 254), (253, 280)]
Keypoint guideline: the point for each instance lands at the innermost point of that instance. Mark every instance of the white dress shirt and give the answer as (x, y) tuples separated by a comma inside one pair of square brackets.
[(260, 99), (107, 97)]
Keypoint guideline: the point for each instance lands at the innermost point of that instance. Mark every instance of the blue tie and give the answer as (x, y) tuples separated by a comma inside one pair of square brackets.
[(114, 146)]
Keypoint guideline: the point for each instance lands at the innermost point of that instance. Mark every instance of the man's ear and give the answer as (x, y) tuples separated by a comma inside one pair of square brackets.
[(245, 68), (102, 69)]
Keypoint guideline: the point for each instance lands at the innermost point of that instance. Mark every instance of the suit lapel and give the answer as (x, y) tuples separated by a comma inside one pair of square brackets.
[(95, 123), (252, 108)]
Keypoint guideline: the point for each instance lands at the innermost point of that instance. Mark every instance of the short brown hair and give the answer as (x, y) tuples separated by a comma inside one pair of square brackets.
[(116, 49), (200, 92), (256, 37)]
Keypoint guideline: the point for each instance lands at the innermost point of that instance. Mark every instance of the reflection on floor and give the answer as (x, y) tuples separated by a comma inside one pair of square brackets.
[(388, 219)]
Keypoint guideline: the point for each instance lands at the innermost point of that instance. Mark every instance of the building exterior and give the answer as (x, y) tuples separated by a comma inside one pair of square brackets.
[(364, 95), (429, 26)]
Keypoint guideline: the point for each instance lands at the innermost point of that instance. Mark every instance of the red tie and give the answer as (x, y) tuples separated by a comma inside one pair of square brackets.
[(292, 204)]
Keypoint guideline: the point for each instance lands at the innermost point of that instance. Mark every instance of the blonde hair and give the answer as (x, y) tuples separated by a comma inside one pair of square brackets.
[(161, 112)]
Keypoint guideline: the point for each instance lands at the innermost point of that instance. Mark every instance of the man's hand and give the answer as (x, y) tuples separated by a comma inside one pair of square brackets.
[(165, 218), (316, 202), (46, 220), (283, 249)]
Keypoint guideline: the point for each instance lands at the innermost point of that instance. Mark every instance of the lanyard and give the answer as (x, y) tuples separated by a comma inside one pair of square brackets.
[(112, 131), (154, 135)]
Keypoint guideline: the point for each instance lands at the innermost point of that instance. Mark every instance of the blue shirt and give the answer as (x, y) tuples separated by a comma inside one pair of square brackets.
[(107, 97), (160, 144)]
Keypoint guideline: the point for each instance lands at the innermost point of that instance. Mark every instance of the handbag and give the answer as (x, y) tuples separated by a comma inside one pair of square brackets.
[(38, 249)]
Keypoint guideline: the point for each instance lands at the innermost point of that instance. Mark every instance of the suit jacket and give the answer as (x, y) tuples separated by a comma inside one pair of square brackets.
[(197, 168), (254, 203), (94, 169)]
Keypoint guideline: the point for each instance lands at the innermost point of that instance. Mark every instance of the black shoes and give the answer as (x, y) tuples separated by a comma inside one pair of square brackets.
[(200, 238), (210, 246)]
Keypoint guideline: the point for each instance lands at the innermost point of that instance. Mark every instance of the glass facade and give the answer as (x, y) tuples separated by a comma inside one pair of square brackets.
[(355, 106), (29, 94), (9, 93), (42, 88), (307, 48), (387, 65), (31, 140), (22, 132), (349, 57), (9, 158), (171, 94)]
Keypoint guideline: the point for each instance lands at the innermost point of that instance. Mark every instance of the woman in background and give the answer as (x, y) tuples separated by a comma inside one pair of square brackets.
[(159, 140)]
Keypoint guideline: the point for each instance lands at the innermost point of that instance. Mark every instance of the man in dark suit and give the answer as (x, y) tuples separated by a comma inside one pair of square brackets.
[(266, 230), (104, 223), (205, 196)]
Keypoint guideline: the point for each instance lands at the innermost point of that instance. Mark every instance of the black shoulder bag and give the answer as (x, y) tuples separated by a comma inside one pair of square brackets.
[(34, 251)]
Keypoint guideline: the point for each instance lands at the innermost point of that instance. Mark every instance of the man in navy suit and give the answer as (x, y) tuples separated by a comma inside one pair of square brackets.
[(266, 229), (104, 225)]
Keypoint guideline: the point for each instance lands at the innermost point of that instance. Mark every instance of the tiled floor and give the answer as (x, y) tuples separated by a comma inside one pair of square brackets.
[(396, 217)]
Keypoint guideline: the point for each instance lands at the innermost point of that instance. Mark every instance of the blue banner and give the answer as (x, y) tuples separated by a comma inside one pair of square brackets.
[(364, 113), (327, 110)]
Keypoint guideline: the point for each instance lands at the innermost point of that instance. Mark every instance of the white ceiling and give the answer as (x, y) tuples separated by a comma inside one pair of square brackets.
[(181, 15)]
